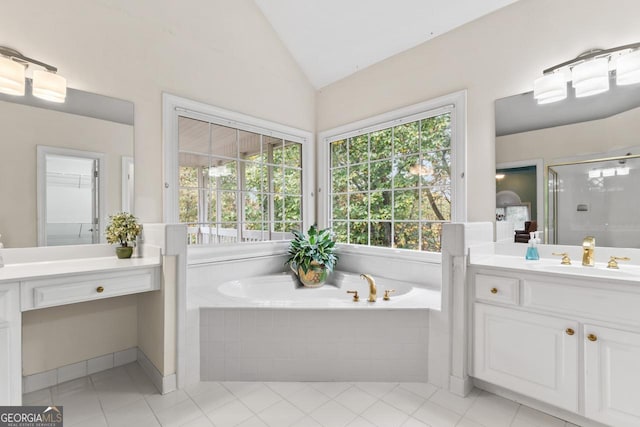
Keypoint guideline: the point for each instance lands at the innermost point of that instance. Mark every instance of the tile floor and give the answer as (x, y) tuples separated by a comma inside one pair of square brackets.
[(124, 396)]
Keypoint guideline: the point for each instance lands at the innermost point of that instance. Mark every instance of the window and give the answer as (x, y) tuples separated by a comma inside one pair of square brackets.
[(234, 178), (392, 183), (236, 185)]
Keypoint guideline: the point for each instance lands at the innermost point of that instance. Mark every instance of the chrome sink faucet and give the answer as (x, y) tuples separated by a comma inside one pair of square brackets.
[(588, 249), (373, 291)]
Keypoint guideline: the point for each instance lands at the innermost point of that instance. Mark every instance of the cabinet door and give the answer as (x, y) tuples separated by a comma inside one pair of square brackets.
[(10, 346), (528, 353), (612, 376)]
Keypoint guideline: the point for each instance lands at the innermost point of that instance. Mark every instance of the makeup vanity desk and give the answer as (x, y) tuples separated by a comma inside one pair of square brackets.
[(36, 278)]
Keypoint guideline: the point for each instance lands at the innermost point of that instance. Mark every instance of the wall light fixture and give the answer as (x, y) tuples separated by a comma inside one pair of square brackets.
[(589, 73), (47, 84)]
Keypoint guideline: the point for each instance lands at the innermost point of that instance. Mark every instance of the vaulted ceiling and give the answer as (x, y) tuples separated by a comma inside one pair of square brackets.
[(331, 39)]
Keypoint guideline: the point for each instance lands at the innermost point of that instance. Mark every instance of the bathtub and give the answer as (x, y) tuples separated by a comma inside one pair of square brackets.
[(269, 328), (284, 291)]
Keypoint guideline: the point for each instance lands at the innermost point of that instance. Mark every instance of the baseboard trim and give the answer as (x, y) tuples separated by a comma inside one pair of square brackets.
[(460, 386), (42, 380), (164, 384)]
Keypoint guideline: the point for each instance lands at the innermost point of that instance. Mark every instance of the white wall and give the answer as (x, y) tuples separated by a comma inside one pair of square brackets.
[(222, 52), (55, 337), (495, 56)]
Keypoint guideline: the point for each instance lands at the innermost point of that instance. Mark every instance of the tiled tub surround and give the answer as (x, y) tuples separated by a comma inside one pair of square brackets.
[(266, 344), (321, 339), (269, 328)]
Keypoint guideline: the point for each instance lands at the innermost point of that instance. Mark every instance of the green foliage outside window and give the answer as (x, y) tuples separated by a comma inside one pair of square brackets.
[(392, 187), (258, 191)]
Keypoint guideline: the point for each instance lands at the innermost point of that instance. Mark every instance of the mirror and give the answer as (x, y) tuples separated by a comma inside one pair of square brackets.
[(43, 186), (576, 132)]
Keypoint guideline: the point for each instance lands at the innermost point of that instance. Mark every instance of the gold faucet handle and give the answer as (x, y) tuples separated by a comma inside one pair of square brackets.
[(356, 298), (613, 261), (565, 258), (386, 296)]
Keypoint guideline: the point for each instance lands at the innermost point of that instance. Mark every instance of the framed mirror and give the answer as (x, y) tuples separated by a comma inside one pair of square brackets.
[(557, 140), (63, 167)]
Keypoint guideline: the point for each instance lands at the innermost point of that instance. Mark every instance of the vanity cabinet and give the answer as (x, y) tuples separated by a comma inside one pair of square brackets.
[(612, 375), (571, 343), (528, 353), (10, 345), (34, 285)]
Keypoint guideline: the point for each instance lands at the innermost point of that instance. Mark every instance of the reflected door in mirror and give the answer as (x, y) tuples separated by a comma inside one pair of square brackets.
[(68, 196)]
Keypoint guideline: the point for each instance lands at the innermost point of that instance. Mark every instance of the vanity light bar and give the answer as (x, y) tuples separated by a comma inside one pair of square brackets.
[(47, 84), (589, 73)]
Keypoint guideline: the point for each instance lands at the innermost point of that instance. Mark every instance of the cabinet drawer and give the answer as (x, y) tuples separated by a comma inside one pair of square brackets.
[(69, 290), (605, 304), (496, 289)]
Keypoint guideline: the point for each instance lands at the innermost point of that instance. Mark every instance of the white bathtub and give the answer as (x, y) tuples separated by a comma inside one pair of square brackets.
[(284, 291), (269, 328)]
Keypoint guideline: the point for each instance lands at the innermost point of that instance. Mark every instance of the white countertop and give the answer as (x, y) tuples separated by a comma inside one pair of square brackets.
[(481, 257), (33, 270)]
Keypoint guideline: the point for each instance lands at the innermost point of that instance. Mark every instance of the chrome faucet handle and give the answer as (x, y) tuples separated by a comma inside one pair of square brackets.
[(356, 298), (386, 296), (565, 258), (613, 261)]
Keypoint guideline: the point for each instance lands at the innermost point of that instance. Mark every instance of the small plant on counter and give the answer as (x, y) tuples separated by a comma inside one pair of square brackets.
[(123, 228), (312, 255)]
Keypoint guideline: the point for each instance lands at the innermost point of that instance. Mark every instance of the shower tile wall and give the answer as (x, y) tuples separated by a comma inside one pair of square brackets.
[(313, 345)]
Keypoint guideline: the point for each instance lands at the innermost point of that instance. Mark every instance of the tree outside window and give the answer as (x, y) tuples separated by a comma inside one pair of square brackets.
[(236, 185), (392, 187)]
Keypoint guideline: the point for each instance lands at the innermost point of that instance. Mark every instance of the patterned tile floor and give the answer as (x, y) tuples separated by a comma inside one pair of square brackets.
[(124, 396)]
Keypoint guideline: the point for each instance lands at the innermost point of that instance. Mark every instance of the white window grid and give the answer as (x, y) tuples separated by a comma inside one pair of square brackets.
[(420, 222), (206, 231)]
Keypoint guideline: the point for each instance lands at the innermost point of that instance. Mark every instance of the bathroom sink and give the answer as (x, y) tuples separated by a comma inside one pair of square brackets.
[(600, 270)]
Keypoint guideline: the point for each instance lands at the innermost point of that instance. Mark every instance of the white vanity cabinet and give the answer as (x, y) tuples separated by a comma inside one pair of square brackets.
[(572, 343), (528, 353), (612, 375), (10, 345), (41, 284)]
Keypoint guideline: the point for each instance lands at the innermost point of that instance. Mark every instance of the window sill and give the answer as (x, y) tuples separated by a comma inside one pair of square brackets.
[(235, 251), (390, 253)]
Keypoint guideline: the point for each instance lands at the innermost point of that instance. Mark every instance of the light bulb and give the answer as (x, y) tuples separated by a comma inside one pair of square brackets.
[(591, 77), (49, 86), (628, 70), (11, 77), (550, 88)]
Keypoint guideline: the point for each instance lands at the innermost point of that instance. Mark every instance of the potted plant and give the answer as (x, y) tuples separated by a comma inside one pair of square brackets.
[(312, 256), (123, 228)]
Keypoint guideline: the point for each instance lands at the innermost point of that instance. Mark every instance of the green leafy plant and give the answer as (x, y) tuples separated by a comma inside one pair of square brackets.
[(123, 227), (315, 246)]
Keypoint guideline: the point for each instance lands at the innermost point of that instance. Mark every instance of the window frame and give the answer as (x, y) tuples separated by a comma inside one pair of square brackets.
[(174, 106), (455, 103)]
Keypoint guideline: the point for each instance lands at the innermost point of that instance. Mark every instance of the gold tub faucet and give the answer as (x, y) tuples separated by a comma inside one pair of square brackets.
[(588, 249), (373, 292)]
